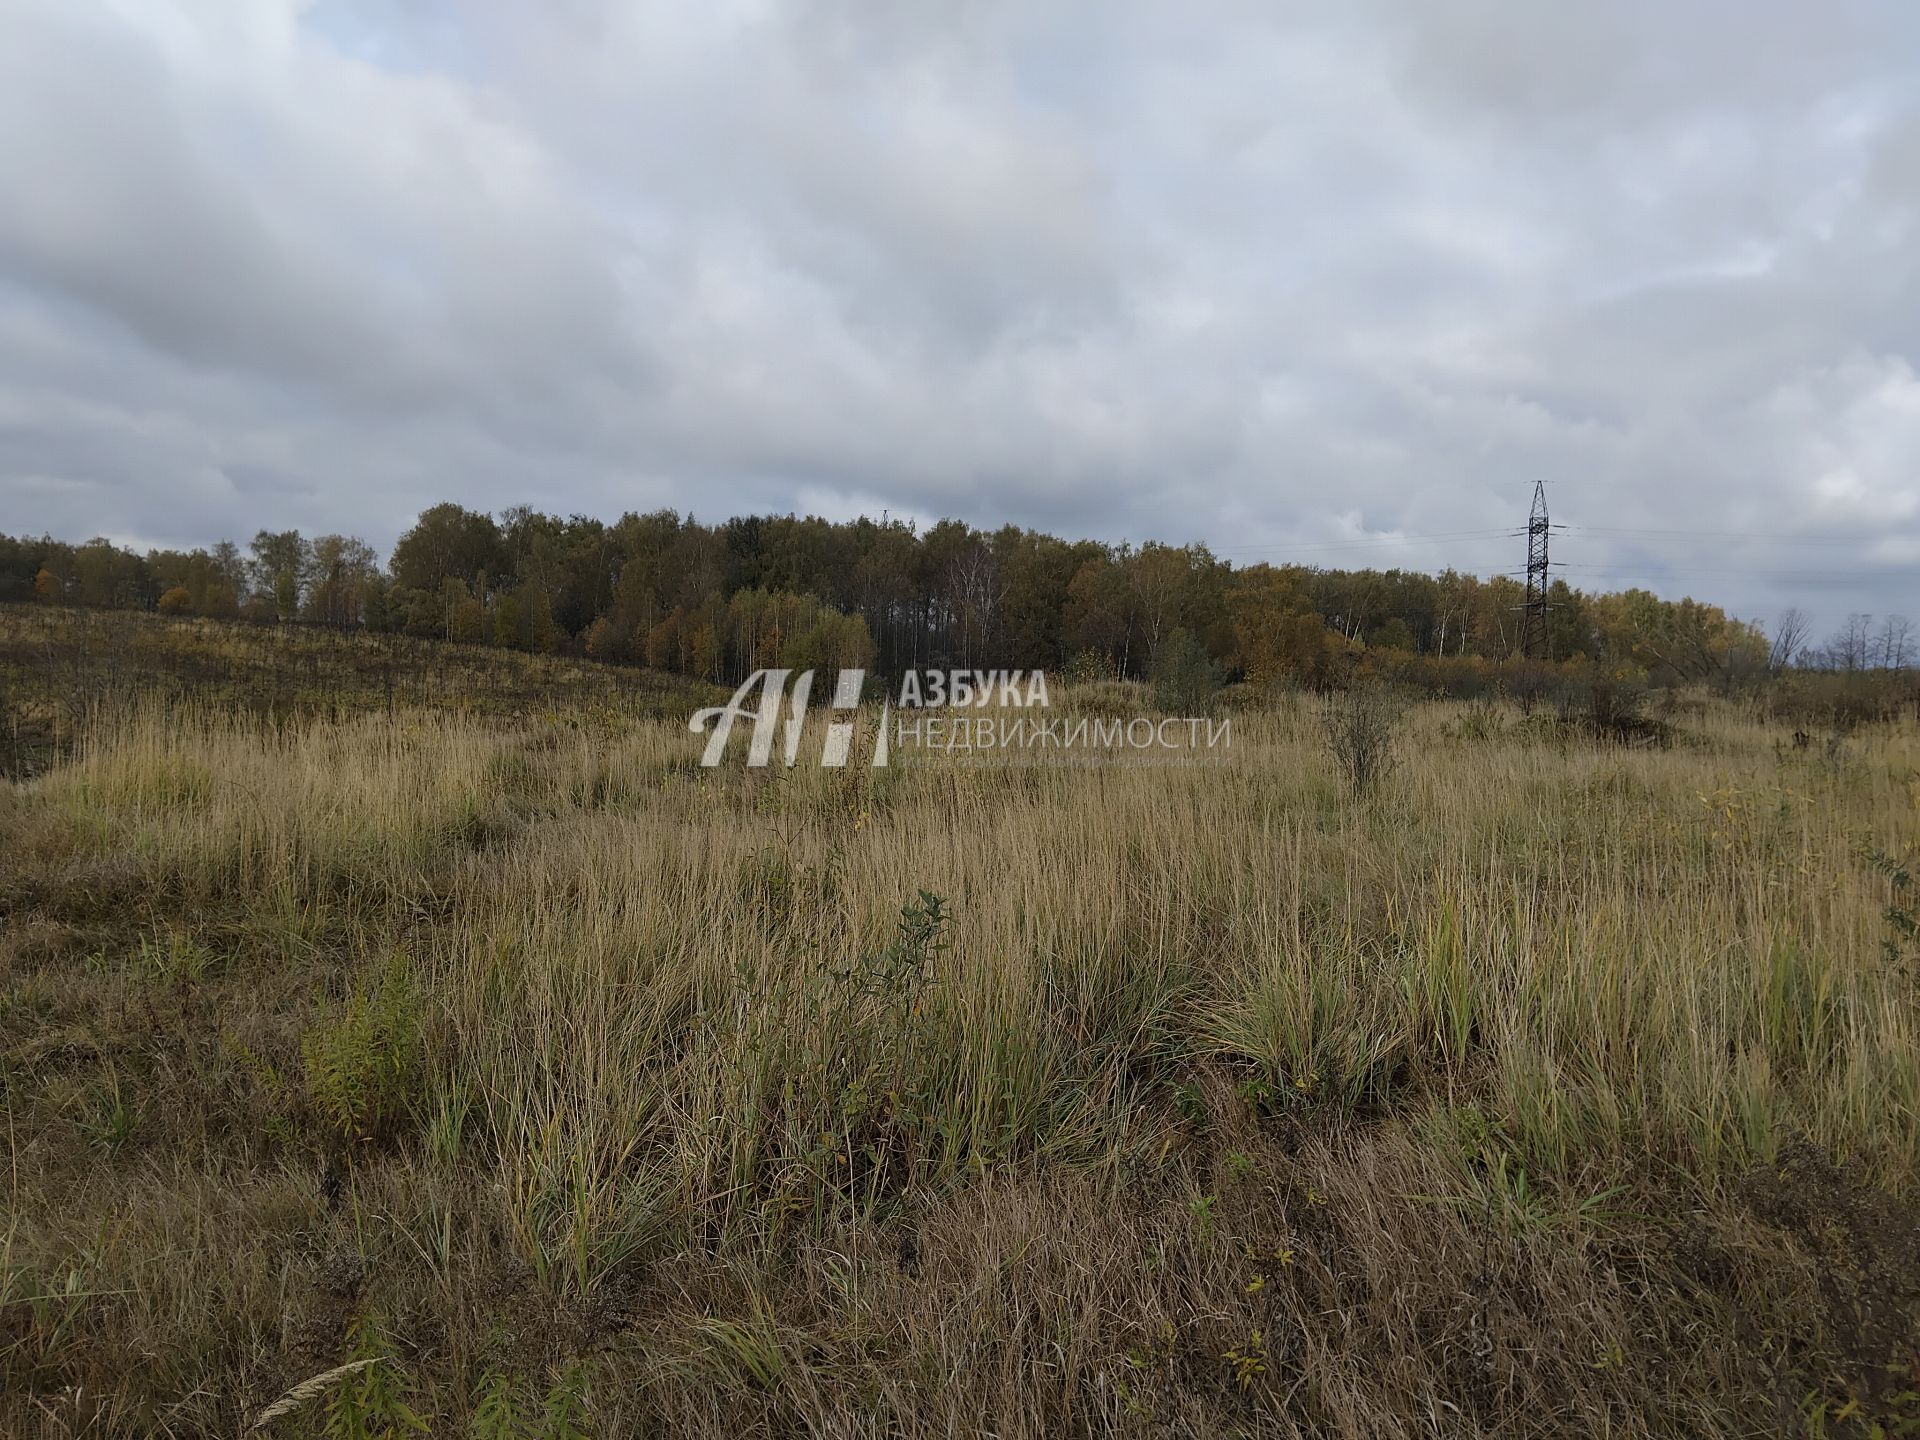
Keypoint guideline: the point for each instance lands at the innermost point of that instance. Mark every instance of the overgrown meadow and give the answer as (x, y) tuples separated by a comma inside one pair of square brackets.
[(437, 1048)]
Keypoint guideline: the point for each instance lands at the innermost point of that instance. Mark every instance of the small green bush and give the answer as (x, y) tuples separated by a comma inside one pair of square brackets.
[(361, 1066)]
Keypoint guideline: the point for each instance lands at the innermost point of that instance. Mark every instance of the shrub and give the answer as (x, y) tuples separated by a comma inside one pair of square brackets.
[(1361, 724), (1609, 708), (360, 1067), (1089, 667), (1185, 678)]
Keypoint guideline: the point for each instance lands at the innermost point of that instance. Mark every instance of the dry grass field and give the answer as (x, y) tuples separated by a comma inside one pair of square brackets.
[(561, 1087)]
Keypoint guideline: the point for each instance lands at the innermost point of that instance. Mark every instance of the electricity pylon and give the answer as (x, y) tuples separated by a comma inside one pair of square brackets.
[(1533, 619)]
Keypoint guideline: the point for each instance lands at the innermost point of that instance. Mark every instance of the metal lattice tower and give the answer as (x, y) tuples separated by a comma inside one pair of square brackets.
[(1533, 619)]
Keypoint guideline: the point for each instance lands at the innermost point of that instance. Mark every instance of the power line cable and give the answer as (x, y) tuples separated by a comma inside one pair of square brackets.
[(1637, 572), (1717, 535), (1380, 541)]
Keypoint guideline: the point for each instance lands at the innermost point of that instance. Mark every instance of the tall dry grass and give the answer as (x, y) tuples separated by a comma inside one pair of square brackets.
[(1553, 1087)]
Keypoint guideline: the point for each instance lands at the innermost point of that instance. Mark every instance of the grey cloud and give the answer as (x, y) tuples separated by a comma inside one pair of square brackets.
[(1253, 278)]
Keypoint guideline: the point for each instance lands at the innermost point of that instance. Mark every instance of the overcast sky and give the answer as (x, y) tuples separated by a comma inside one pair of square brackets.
[(1277, 277)]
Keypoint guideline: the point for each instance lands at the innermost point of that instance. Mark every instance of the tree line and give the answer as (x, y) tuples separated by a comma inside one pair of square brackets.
[(719, 601)]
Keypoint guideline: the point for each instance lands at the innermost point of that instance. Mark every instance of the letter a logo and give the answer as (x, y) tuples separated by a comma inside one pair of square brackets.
[(766, 717)]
